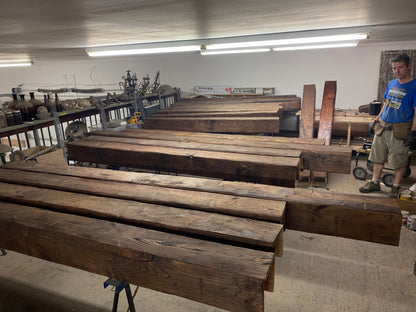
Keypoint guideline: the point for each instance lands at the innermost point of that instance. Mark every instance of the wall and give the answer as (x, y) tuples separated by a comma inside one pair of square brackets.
[(355, 70)]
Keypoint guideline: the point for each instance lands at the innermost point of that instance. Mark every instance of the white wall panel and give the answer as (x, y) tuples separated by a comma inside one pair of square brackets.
[(355, 69)]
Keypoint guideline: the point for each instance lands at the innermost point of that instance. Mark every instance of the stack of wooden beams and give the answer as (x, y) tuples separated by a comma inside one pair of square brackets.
[(207, 240), (211, 247), (349, 122), (259, 159), (227, 115)]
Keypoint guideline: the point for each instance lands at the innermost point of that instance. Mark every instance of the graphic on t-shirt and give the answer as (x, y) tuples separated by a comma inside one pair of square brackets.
[(396, 96)]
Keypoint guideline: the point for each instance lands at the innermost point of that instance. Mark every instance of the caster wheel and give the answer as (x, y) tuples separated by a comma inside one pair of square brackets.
[(388, 179), (17, 156), (359, 173)]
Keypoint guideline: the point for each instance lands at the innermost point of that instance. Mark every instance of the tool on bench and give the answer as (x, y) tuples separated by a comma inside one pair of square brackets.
[(119, 286), (135, 119)]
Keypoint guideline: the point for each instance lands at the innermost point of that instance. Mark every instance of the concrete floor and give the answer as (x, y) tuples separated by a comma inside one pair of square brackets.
[(316, 273)]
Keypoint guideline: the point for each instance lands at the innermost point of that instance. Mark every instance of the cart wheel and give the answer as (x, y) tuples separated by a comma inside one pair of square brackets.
[(407, 173), (388, 179), (359, 173), (17, 156)]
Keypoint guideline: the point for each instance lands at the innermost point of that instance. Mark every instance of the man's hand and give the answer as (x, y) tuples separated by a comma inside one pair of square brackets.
[(371, 125), (410, 140)]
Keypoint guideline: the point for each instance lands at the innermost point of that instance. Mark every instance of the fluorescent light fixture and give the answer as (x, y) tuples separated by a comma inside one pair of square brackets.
[(288, 41), (15, 63), (122, 52), (235, 51), (317, 46)]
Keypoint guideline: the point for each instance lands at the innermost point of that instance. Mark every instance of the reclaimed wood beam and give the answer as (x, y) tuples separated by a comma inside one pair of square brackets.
[(307, 121), (327, 112), (225, 276), (308, 112), (184, 221), (315, 156), (369, 218), (215, 124), (76, 180), (230, 166), (265, 151)]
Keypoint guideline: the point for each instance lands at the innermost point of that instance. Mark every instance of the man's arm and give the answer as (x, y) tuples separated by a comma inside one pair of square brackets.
[(381, 110)]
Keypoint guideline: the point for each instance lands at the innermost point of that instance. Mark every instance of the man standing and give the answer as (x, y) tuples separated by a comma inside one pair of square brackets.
[(394, 127)]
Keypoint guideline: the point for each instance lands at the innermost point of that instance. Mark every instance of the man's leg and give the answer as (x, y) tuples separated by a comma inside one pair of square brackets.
[(398, 175), (374, 184), (377, 170)]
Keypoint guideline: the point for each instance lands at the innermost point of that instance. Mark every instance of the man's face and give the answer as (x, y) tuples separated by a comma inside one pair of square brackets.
[(400, 70)]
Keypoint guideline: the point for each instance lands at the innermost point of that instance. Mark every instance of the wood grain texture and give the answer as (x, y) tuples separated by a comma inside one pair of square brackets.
[(178, 220), (252, 125), (327, 112), (98, 183), (265, 151), (308, 112), (332, 213), (224, 276), (274, 170), (315, 156)]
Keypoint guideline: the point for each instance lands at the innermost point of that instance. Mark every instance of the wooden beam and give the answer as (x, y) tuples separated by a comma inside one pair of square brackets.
[(184, 221), (230, 166), (375, 219), (224, 276), (327, 112), (266, 210), (216, 124), (239, 113), (315, 156), (223, 138), (307, 122), (325, 124), (117, 137), (308, 112)]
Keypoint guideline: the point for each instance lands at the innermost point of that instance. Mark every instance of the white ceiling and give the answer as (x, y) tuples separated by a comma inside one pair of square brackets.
[(57, 29)]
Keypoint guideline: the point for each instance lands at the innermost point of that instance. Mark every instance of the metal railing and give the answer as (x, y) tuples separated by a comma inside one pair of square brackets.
[(51, 131)]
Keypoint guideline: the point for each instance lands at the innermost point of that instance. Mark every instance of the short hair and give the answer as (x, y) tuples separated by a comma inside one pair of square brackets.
[(401, 58)]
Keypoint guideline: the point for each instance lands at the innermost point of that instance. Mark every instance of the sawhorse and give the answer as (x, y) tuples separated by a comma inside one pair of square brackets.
[(119, 286)]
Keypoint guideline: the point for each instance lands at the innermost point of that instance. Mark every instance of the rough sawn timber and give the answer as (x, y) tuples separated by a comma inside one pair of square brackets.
[(196, 244), (224, 276), (315, 156), (215, 124), (276, 170), (373, 219)]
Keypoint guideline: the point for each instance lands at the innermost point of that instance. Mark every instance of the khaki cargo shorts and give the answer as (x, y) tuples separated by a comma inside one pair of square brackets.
[(387, 149)]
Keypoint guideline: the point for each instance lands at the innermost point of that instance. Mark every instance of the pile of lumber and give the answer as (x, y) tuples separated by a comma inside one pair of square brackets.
[(250, 115), (211, 247), (348, 122), (207, 240), (259, 159)]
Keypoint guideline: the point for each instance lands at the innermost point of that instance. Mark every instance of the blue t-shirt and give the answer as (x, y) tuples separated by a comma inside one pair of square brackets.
[(401, 101)]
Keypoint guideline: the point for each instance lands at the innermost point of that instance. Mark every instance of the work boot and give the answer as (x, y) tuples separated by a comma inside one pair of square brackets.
[(370, 187), (394, 192)]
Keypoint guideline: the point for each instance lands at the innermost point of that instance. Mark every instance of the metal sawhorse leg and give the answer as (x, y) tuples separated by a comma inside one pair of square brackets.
[(119, 286)]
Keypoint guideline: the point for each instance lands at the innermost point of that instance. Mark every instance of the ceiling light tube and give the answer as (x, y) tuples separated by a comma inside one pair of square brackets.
[(15, 63), (216, 52), (317, 46), (123, 52), (288, 41)]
